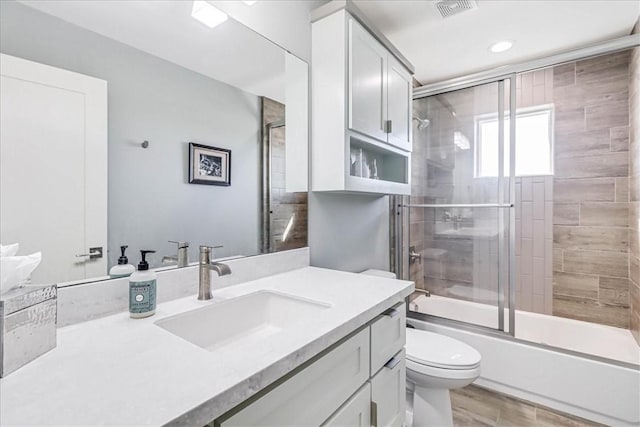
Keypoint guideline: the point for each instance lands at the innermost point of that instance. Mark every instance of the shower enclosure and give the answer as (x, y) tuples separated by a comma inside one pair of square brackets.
[(521, 222)]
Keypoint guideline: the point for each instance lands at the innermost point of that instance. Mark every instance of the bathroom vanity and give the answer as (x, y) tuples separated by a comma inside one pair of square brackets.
[(309, 346)]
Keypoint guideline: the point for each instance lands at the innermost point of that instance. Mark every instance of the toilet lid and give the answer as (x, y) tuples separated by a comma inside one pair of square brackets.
[(440, 351)]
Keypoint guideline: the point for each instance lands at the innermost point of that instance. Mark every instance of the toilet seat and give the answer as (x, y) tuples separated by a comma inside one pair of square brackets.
[(430, 350)]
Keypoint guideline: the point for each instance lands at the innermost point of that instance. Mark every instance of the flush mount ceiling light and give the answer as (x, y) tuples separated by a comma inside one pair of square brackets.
[(250, 2), (207, 14), (501, 46)]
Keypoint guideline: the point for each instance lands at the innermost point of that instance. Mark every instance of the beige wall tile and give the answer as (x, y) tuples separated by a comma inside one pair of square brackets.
[(580, 286), (564, 75), (614, 291), (604, 214), (607, 115), (582, 143), (603, 165), (591, 238), (622, 189), (620, 138), (590, 311), (598, 263), (615, 65), (578, 190), (566, 214)]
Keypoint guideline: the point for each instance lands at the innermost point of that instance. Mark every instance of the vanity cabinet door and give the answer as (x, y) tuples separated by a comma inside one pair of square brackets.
[(399, 105), (388, 393), (367, 83), (355, 413), (313, 394), (388, 336)]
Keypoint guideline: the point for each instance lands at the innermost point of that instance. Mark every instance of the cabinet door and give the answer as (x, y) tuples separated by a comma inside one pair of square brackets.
[(311, 396), (355, 413), (388, 336), (388, 393), (367, 85), (399, 108)]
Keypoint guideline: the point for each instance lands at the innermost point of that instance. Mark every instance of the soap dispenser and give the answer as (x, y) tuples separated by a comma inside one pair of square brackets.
[(142, 289), (123, 268)]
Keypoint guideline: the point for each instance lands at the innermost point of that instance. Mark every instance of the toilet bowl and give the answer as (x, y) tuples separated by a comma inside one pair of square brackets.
[(435, 365)]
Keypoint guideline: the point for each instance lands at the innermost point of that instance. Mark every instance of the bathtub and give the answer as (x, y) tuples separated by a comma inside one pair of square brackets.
[(591, 388)]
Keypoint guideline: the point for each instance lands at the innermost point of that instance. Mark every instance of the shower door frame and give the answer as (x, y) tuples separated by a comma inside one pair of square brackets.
[(399, 255), (399, 225)]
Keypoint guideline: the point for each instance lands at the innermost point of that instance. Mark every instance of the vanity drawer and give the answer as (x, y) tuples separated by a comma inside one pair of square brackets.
[(388, 397), (312, 395), (355, 413), (388, 335)]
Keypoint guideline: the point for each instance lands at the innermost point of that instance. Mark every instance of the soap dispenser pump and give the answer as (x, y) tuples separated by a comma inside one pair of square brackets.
[(142, 289), (123, 268)]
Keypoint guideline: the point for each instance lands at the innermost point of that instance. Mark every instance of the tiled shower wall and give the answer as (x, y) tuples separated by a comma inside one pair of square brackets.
[(634, 186), (534, 244), (591, 197)]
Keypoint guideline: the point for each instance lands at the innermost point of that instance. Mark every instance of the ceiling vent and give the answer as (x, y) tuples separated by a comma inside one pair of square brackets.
[(449, 8)]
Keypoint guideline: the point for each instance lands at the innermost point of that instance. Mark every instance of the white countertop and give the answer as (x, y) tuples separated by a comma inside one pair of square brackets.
[(122, 371)]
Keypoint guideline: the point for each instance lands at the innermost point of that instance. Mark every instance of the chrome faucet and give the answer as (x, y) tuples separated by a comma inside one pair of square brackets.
[(206, 266), (181, 258)]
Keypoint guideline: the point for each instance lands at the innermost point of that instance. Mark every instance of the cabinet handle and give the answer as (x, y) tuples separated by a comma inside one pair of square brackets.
[(388, 126), (392, 363), (392, 312), (374, 414)]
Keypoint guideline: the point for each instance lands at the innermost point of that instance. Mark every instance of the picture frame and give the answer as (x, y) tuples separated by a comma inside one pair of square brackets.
[(209, 165)]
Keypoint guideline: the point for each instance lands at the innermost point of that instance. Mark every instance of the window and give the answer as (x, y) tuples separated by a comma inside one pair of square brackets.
[(533, 144)]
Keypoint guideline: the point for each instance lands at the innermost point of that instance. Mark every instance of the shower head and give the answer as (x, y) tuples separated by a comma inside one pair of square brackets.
[(422, 123)]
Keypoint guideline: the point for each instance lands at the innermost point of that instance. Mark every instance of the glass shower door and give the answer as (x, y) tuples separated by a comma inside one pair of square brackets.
[(460, 209)]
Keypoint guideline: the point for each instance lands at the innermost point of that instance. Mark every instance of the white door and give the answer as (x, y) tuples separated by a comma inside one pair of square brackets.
[(53, 167), (399, 108), (367, 86)]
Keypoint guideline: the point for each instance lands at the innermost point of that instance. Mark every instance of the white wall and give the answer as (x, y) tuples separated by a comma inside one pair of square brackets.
[(150, 200), (349, 232)]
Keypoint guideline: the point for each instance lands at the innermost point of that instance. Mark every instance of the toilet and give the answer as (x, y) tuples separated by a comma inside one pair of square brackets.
[(435, 364)]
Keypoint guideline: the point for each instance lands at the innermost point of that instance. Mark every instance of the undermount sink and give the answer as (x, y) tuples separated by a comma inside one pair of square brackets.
[(243, 320)]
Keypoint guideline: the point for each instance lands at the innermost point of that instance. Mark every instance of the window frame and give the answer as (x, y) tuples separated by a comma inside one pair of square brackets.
[(520, 112)]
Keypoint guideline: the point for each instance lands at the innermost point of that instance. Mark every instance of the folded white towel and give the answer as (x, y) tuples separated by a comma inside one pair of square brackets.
[(9, 250), (16, 270)]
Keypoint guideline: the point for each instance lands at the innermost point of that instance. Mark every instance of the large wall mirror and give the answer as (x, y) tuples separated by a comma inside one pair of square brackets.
[(133, 123)]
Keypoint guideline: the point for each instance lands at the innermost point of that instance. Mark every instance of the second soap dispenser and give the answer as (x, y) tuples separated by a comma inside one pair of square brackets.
[(123, 269), (142, 289)]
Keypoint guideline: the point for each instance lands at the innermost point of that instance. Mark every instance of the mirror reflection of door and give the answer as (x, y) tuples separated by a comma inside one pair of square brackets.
[(50, 118), (285, 213)]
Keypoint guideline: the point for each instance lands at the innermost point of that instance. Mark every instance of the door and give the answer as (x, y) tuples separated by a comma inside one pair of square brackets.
[(49, 117), (399, 88), (367, 83), (460, 213)]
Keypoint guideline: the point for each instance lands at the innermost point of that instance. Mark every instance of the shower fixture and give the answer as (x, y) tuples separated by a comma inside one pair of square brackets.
[(422, 123)]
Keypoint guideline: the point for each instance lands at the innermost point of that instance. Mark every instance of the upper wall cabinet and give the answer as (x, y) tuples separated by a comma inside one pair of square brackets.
[(379, 90), (361, 110)]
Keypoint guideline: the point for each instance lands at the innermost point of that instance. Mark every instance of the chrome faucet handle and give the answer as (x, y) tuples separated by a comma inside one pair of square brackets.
[(180, 244)]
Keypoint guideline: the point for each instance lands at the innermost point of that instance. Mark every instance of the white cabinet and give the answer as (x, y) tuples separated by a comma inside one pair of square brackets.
[(388, 394), (311, 396), (355, 413), (379, 91), (340, 388), (361, 111), (367, 83)]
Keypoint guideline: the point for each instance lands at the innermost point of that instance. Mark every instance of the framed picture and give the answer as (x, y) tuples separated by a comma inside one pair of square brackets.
[(209, 165)]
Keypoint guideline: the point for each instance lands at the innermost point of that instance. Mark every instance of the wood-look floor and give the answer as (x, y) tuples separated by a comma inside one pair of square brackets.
[(475, 406)]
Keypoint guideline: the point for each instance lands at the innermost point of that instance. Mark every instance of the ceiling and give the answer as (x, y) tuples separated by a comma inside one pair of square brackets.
[(439, 48), (230, 52), (459, 45)]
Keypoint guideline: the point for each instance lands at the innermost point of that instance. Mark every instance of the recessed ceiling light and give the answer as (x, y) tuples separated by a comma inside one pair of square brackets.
[(250, 2), (207, 14), (501, 46)]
